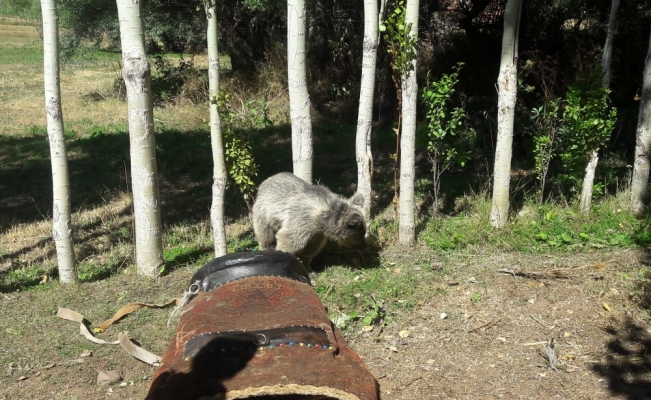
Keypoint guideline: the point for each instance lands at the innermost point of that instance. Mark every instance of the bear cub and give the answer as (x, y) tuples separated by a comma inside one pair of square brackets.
[(293, 216)]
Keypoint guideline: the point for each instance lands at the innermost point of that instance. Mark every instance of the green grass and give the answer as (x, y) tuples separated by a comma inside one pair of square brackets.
[(25, 55), (371, 296), (538, 229)]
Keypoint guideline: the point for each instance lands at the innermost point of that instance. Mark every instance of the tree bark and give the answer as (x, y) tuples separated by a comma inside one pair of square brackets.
[(216, 139), (299, 99), (507, 95), (61, 214), (406, 212), (608, 47), (585, 203), (640, 181), (363, 153), (144, 173)]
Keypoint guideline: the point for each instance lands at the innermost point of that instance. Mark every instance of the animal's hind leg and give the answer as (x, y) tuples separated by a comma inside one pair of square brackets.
[(264, 235), (288, 242)]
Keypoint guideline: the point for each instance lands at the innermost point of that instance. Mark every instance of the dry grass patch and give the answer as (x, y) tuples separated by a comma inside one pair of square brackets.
[(14, 33), (101, 235)]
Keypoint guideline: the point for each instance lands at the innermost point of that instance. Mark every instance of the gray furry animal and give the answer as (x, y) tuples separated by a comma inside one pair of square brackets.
[(291, 215)]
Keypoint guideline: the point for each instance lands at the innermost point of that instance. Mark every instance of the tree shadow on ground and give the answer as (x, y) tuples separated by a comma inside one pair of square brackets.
[(100, 168), (333, 254), (627, 362)]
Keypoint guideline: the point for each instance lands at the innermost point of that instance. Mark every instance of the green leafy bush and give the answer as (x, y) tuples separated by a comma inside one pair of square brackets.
[(449, 140), (588, 121)]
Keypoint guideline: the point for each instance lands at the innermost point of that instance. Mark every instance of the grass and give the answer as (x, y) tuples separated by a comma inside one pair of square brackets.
[(537, 229)]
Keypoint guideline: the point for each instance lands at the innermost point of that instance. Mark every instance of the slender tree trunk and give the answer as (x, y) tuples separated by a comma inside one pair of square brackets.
[(434, 160), (219, 165), (363, 153), (406, 212), (507, 95), (588, 182), (608, 47), (144, 173), (585, 202), (299, 99), (61, 226), (640, 182)]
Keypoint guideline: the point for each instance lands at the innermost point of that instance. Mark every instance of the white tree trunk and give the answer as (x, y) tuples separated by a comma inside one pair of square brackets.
[(61, 226), (608, 47), (219, 165), (507, 95), (144, 173), (299, 99), (640, 182), (406, 212), (585, 203), (363, 153)]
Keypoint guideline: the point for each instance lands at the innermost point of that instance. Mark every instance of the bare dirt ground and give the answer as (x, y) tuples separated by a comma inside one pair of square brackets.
[(473, 333)]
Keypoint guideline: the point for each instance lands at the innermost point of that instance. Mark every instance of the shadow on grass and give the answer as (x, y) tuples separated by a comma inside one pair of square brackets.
[(628, 361), (100, 167)]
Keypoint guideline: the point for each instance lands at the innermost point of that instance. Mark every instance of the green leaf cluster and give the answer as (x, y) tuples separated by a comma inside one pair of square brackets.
[(373, 314), (570, 130), (400, 43), (449, 139), (239, 158), (588, 121)]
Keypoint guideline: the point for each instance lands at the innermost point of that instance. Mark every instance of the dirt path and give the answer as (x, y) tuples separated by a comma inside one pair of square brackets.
[(473, 333)]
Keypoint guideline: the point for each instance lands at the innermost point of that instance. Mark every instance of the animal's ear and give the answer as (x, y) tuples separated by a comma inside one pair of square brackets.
[(357, 200)]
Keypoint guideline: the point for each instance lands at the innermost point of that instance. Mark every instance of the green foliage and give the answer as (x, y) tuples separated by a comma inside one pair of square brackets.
[(257, 115), (376, 314), (92, 272), (241, 165), (22, 277), (546, 123), (69, 133), (353, 292), (266, 7), (449, 140), (97, 130), (588, 121), (546, 228), (171, 82), (372, 314), (570, 130), (400, 43)]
